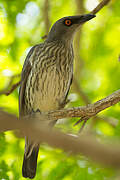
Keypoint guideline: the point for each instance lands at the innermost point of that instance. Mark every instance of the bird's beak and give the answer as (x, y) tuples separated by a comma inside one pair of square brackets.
[(85, 18)]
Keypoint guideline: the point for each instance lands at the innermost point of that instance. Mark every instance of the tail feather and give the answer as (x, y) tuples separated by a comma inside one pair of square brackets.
[(30, 163)]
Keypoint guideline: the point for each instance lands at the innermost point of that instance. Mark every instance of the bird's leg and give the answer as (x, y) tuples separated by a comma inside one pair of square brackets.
[(84, 120)]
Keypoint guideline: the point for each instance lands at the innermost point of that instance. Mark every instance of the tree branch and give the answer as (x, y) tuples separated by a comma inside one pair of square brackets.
[(87, 111), (46, 16), (105, 154), (100, 6), (10, 87)]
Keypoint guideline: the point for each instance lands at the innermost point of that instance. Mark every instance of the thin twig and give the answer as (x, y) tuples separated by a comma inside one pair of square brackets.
[(10, 88), (100, 6)]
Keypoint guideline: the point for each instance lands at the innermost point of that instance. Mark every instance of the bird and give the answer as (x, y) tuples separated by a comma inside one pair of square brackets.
[(46, 78)]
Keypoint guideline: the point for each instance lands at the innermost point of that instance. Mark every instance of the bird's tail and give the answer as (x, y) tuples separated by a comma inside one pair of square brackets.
[(30, 161)]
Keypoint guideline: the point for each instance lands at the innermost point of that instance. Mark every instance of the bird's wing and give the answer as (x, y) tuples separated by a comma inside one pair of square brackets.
[(24, 76), (69, 87)]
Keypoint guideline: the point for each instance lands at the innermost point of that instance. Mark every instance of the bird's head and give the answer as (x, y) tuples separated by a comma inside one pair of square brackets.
[(65, 28)]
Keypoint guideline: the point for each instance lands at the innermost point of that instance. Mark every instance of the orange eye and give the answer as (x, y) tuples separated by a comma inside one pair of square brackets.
[(68, 22)]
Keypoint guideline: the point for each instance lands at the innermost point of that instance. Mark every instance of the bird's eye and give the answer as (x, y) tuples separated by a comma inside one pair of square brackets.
[(68, 22)]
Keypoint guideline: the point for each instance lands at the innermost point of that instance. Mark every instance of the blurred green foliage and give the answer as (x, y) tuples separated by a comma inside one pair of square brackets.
[(22, 26)]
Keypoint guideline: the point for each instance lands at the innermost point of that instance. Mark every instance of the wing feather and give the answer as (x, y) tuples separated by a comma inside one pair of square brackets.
[(24, 76)]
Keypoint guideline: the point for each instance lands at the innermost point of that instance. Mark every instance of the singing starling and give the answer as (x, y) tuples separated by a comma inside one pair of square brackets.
[(46, 78)]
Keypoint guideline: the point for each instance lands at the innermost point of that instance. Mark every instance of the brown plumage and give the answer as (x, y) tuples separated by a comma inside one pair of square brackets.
[(46, 78)]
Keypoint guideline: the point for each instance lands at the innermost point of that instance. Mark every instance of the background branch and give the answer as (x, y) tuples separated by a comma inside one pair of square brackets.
[(100, 6), (105, 154), (46, 16), (10, 86)]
